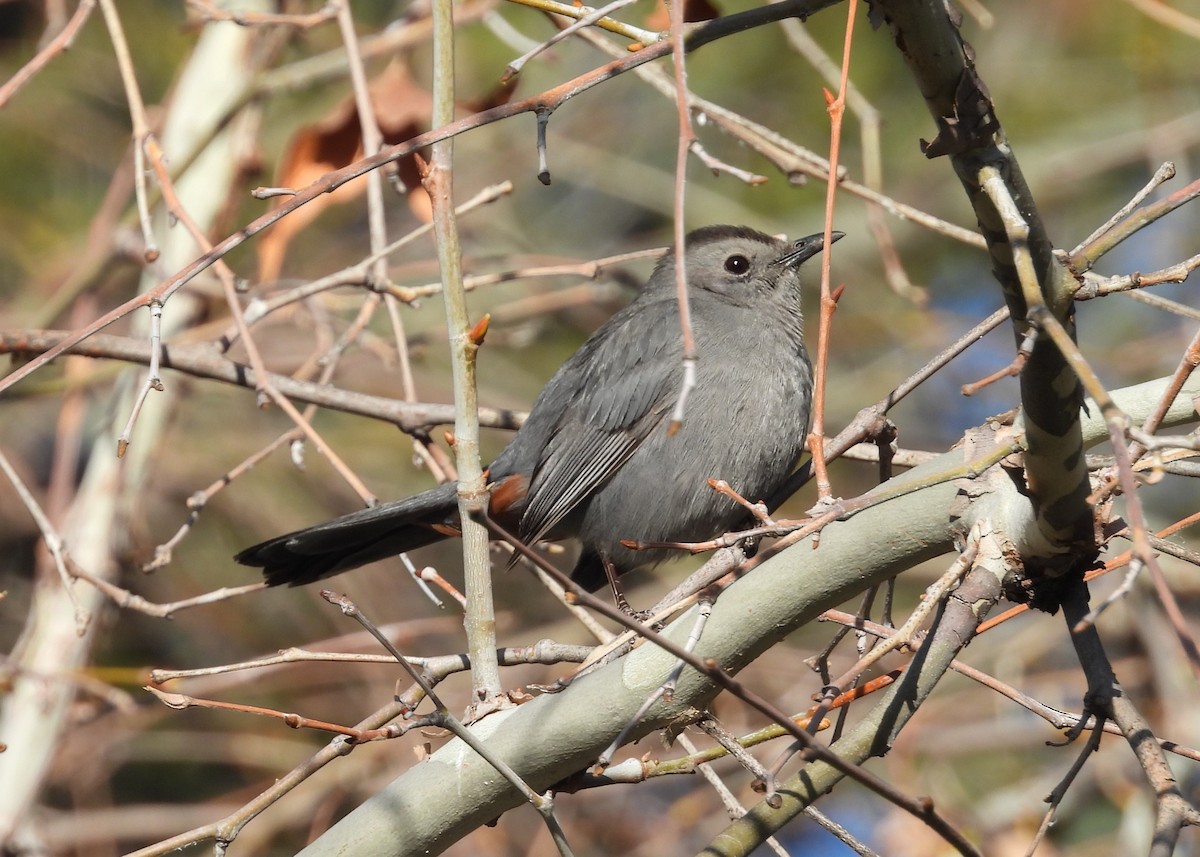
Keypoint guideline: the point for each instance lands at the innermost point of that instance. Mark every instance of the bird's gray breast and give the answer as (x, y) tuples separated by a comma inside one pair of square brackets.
[(744, 422)]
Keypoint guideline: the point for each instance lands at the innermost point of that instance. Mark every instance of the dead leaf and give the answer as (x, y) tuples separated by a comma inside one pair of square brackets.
[(402, 110), (693, 10)]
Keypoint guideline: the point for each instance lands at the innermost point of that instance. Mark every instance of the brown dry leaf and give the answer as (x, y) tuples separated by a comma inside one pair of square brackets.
[(693, 10), (402, 109)]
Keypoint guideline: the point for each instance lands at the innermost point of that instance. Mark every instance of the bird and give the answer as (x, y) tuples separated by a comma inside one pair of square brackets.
[(598, 458)]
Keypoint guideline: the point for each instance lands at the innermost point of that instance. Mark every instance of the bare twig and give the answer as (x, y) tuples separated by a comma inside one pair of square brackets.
[(697, 35), (465, 341), (836, 110), (51, 538), (582, 13), (1163, 174), (666, 690), (714, 672), (1106, 697), (593, 17), (542, 803), (61, 42), (687, 136), (205, 361)]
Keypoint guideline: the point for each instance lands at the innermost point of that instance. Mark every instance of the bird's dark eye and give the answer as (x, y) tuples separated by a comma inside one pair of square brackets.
[(737, 264)]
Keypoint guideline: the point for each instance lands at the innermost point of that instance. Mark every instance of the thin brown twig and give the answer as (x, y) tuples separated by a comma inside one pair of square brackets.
[(1086, 256), (791, 159), (589, 270), (343, 469), (836, 109), (687, 136), (1106, 697), (713, 670), (360, 273), (1187, 364), (1059, 719), (51, 538), (1060, 791), (203, 360), (644, 38), (1170, 605), (152, 382), (160, 610), (137, 113), (164, 552), (514, 67), (1134, 285), (58, 45), (697, 36), (197, 501), (1164, 173), (1012, 370), (542, 652), (466, 338), (870, 130), (182, 702), (443, 717)]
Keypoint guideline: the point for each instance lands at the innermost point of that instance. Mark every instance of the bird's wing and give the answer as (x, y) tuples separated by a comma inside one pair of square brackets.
[(617, 389)]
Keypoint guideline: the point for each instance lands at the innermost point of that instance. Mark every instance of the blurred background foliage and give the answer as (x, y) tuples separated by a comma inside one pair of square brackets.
[(1093, 96)]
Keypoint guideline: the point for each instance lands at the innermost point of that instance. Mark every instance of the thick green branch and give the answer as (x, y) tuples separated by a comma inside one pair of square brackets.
[(432, 805), (970, 134)]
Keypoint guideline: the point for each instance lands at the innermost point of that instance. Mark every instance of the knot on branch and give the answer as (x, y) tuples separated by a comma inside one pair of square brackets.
[(970, 125), (1042, 582)]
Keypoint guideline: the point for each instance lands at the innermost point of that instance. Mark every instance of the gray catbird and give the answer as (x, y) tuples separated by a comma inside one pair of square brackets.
[(594, 460)]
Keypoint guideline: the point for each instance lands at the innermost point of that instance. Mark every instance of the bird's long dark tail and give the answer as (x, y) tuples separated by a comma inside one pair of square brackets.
[(356, 539)]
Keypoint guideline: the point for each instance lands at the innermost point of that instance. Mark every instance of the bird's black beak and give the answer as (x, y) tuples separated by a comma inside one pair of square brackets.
[(807, 247)]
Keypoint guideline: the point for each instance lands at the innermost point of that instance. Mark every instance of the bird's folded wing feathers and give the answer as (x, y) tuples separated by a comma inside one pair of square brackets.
[(630, 386)]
